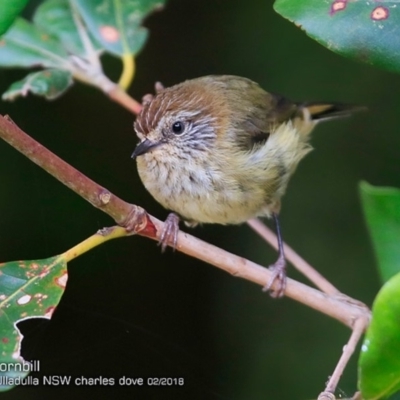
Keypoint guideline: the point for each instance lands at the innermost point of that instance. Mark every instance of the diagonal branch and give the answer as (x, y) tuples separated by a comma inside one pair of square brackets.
[(95, 194), (358, 328)]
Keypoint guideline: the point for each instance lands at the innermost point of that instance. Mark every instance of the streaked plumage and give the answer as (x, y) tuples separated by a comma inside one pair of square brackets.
[(237, 153)]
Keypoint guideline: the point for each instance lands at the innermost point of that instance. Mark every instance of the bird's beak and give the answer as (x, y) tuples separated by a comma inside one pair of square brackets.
[(144, 147)]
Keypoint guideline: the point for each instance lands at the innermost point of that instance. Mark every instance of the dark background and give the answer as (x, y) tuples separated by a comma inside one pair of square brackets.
[(128, 309)]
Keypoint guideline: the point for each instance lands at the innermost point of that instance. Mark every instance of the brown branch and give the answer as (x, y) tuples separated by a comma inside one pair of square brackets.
[(110, 88), (338, 307), (120, 96), (348, 350), (121, 211), (138, 221)]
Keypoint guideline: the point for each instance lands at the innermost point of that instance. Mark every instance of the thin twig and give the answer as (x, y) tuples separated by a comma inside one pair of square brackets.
[(358, 329), (138, 221), (111, 89), (118, 95), (298, 262)]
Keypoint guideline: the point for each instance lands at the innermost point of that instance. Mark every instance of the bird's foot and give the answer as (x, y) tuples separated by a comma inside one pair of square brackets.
[(169, 234), (278, 270)]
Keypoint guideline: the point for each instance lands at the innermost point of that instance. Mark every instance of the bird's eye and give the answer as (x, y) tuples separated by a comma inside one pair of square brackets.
[(178, 127)]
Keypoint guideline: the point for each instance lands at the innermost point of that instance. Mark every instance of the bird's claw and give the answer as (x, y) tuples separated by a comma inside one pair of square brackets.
[(169, 234), (278, 270)]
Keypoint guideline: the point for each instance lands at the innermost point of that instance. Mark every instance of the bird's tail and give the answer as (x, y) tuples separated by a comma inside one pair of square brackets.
[(327, 111), (309, 114)]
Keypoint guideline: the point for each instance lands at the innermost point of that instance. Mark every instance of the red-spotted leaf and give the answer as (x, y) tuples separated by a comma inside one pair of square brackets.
[(359, 29), (379, 363), (50, 83), (69, 35), (117, 24), (28, 289)]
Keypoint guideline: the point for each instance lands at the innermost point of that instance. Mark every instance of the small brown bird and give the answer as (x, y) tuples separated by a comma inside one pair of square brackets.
[(220, 149)]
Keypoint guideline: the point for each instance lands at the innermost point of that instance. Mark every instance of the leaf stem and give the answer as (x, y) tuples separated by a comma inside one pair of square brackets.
[(128, 71), (100, 237)]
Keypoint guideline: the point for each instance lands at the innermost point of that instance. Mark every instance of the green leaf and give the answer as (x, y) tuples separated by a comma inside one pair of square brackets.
[(379, 363), (363, 30), (116, 24), (9, 12), (28, 289), (381, 207), (24, 45), (50, 83), (56, 17)]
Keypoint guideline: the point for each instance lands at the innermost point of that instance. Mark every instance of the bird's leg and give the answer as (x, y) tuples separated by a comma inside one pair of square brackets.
[(278, 268), (169, 234)]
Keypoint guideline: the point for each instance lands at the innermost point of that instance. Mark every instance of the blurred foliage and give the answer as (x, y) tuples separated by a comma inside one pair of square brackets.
[(117, 24), (69, 36), (9, 11), (131, 311), (379, 365), (50, 83), (382, 211), (362, 30)]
